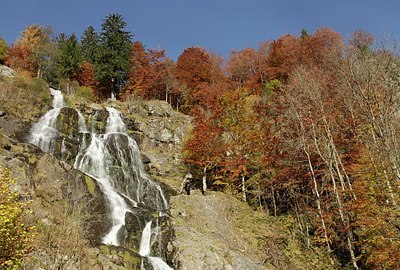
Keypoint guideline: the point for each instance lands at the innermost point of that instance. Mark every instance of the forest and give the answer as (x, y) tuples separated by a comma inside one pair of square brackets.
[(302, 125)]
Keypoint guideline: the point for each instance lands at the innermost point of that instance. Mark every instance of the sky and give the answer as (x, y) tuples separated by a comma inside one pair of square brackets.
[(216, 25)]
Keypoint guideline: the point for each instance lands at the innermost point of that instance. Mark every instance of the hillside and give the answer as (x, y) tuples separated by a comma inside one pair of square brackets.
[(215, 231)]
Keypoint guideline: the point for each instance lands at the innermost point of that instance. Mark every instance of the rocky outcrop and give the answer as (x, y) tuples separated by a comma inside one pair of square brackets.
[(6, 71), (157, 128), (160, 132)]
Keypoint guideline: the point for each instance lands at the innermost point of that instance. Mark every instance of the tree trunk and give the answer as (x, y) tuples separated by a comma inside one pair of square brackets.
[(204, 180), (244, 189)]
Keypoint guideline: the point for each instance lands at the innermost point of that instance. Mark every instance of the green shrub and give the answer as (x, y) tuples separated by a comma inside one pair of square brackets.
[(85, 92)]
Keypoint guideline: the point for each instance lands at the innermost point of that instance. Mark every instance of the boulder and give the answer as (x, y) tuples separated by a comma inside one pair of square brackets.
[(6, 71)]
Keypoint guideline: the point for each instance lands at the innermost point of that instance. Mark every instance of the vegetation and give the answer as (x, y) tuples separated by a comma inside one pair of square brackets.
[(15, 236), (304, 125), (3, 50), (24, 97)]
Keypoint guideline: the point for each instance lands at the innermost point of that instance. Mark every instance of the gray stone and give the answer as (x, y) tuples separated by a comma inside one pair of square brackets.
[(165, 135), (6, 71)]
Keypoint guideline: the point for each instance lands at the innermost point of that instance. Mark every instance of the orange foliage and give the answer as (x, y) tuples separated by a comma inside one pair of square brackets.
[(86, 75), (20, 58), (194, 67)]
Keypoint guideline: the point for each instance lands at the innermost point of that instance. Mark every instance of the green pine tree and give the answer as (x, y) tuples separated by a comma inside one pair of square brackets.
[(113, 65), (90, 45), (69, 58)]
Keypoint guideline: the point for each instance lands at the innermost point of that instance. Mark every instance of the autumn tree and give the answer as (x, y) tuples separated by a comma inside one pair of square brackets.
[(86, 76), (193, 69), (361, 39), (142, 73), (245, 70), (33, 51), (320, 117), (321, 47), (283, 57), (204, 151), (39, 38), (19, 57), (3, 50), (112, 66), (243, 136)]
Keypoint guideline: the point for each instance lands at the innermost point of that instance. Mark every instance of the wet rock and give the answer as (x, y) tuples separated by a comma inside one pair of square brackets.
[(66, 149), (162, 239), (98, 121), (135, 222), (68, 123)]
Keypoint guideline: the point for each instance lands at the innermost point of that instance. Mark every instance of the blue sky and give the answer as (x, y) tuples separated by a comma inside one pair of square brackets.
[(216, 25)]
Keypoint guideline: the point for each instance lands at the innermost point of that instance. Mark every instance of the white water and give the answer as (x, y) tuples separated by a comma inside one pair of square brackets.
[(81, 123), (93, 161), (145, 249), (114, 160), (114, 122), (159, 264), (44, 131)]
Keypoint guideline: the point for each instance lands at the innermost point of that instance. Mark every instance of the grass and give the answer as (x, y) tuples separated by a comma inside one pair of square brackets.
[(25, 98)]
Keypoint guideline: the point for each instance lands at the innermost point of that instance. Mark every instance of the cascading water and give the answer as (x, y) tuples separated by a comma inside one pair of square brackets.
[(44, 131), (114, 160)]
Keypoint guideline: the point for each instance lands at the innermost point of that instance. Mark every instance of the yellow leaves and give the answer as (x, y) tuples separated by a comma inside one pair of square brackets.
[(34, 35), (15, 235)]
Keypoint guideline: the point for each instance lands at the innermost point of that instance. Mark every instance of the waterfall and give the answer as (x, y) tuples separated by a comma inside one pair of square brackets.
[(113, 159), (44, 131), (145, 249), (93, 161)]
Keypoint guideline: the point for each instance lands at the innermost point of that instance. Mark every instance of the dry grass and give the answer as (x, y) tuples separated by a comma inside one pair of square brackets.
[(24, 97)]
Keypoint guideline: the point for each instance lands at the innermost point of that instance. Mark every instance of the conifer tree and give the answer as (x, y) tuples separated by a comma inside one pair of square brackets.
[(113, 64), (69, 58), (90, 45)]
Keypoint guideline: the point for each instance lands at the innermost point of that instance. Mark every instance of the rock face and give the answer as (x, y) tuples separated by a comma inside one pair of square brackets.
[(207, 237), (160, 132)]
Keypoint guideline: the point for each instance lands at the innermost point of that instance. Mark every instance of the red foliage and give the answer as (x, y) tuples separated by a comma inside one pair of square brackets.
[(86, 75), (20, 58), (245, 70), (194, 67)]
